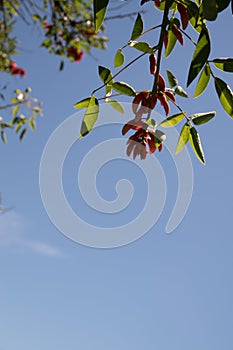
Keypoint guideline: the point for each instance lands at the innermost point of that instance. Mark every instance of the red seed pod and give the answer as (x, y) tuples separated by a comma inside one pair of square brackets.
[(165, 39), (161, 83), (137, 99), (183, 15), (160, 147), (151, 143), (170, 95), (153, 101), (164, 103), (152, 59), (157, 3), (178, 34)]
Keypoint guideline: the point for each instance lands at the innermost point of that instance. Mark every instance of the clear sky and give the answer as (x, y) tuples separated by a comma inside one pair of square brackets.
[(161, 291)]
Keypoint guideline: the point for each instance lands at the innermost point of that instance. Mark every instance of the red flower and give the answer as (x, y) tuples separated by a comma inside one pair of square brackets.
[(142, 141), (15, 70), (74, 54)]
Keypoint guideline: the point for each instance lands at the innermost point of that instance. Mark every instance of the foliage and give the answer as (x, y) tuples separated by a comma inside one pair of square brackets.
[(178, 17), (73, 27)]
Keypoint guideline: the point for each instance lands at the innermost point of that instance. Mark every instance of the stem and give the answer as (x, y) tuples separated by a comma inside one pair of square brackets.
[(160, 48), (120, 71)]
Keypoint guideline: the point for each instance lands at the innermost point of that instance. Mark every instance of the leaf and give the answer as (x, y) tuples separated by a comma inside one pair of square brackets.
[(100, 8), (200, 55), (225, 64), (171, 43), (15, 110), (116, 105), (203, 81), (90, 116), (181, 92), (3, 136), (202, 118), (23, 133), (61, 67), (225, 95), (222, 4), (144, 47), (159, 136), (196, 144), (171, 79), (105, 74), (138, 27), (184, 138), (172, 120), (210, 9), (123, 88), (32, 123), (83, 103), (119, 59)]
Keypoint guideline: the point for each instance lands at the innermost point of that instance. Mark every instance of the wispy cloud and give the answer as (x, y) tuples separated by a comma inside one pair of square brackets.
[(12, 228)]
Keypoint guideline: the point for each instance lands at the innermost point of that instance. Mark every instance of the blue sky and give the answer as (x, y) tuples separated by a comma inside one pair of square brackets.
[(159, 292)]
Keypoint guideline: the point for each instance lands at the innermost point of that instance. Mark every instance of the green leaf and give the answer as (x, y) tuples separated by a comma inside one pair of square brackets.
[(210, 9), (225, 95), (83, 103), (116, 105), (222, 4), (123, 88), (32, 123), (23, 133), (202, 118), (3, 136), (225, 64), (105, 74), (196, 144), (100, 8), (15, 110), (144, 47), (200, 55), (159, 136), (138, 27), (171, 43), (203, 81), (173, 81), (90, 116), (61, 67), (172, 120), (181, 92), (184, 137), (119, 59)]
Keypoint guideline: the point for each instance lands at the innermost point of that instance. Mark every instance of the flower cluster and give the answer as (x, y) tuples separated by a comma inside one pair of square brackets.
[(15, 70), (74, 54), (143, 140)]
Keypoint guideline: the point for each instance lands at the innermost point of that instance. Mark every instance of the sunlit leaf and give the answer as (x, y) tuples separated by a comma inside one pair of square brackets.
[(144, 47), (196, 144), (119, 59), (83, 103), (138, 27), (90, 116), (202, 118), (181, 92), (173, 81), (172, 120), (123, 88), (225, 64), (225, 95), (100, 8), (200, 55), (202, 81), (116, 105), (183, 138)]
